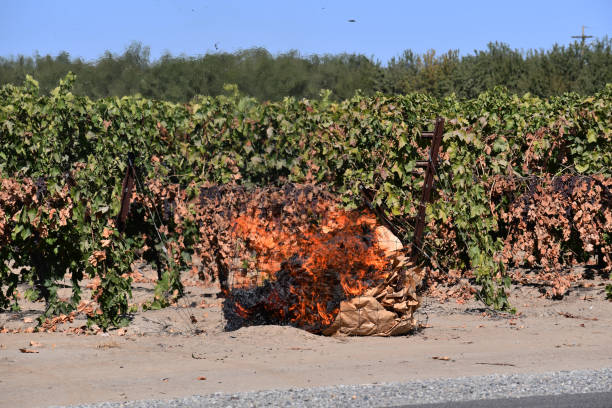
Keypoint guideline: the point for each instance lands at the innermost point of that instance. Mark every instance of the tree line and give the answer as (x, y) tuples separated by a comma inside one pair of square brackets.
[(582, 68)]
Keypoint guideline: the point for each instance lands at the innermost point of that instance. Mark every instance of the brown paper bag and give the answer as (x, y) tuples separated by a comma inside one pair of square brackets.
[(365, 316)]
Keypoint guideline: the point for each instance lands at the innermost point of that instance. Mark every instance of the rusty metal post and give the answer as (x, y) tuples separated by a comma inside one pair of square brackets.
[(430, 170)]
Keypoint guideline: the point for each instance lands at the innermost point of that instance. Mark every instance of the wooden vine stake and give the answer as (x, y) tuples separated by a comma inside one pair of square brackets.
[(127, 187), (430, 169)]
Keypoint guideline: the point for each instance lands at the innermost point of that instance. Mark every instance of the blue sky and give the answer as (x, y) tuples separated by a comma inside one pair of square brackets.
[(382, 29)]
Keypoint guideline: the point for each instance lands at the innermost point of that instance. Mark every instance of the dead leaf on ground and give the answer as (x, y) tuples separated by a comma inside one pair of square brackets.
[(2, 347), (567, 345), (198, 356), (28, 320), (571, 316), (108, 345), (201, 378), (443, 358), (498, 364), (26, 350), (35, 343)]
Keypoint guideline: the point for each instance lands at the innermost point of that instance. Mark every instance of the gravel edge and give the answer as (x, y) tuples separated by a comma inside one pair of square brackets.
[(393, 394)]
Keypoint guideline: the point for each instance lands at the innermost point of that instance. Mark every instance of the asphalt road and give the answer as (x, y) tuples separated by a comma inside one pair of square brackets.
[(589, 400)]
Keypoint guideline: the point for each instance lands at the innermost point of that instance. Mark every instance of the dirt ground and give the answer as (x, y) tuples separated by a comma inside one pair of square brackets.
[(162, 354)]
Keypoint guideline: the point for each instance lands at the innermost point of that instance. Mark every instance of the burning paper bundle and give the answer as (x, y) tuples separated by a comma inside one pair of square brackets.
[(335, 272)]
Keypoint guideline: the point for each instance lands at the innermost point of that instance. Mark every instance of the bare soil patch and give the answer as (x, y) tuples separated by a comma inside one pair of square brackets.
[(165, 353)]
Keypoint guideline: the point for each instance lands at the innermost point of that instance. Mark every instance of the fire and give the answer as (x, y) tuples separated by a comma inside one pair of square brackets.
[(242, 311), (307, 271)]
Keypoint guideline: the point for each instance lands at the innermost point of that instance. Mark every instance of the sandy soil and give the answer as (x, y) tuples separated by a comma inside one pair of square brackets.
[(163, 354)]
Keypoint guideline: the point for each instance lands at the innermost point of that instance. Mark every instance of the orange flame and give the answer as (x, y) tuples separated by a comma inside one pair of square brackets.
[(336, 260), (241, 310)]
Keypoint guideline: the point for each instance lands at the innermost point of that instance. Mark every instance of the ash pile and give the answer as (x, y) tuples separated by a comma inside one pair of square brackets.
[(298, 259)]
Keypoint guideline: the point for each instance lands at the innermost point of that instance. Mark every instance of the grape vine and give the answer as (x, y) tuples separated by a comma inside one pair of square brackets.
[(508, 162)]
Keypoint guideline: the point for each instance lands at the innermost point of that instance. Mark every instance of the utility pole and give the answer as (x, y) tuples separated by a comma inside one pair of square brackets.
[(582, 37)]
